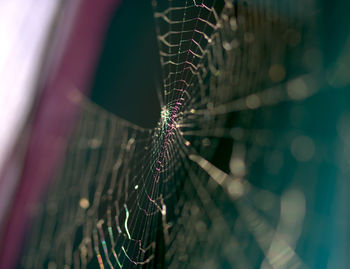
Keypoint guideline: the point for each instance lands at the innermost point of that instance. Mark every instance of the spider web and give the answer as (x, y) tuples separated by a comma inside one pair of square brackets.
[(223, 179)]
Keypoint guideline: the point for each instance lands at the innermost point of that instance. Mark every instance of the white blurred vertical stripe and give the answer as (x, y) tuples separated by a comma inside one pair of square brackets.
[(24, 28)]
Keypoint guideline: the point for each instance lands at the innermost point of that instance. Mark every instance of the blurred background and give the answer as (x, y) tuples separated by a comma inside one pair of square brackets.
[(253, 153)]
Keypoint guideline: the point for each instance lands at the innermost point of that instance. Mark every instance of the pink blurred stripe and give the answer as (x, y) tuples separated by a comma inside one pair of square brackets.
[(54, 119)]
